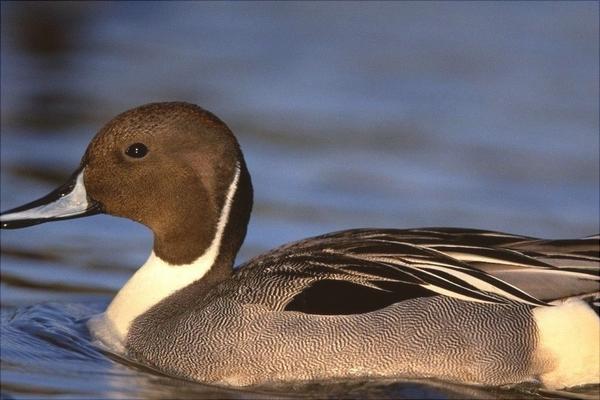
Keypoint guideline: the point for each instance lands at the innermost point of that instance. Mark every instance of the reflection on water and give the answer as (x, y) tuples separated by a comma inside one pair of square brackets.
[(350, 115)]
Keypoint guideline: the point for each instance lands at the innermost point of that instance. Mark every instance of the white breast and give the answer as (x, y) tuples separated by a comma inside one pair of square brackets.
[(154, 281)]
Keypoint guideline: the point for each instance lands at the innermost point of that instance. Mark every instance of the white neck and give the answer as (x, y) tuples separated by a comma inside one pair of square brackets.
[(156, 280)]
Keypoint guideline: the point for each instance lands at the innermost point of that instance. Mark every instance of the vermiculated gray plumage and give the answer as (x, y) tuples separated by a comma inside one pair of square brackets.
[(240, 333)]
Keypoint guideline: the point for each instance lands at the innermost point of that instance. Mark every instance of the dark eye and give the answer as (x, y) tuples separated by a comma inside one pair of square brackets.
[(137, 150)]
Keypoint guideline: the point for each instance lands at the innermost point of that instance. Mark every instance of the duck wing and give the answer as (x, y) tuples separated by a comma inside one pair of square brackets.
[(364, 270), (546, 269)]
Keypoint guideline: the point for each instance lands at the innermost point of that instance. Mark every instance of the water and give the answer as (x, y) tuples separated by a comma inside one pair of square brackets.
[(479, 115)]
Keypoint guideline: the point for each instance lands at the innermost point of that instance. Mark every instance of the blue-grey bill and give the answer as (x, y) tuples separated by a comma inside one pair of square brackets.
[(67, 202)]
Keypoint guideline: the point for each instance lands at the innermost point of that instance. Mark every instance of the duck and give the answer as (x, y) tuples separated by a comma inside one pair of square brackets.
[(462, 305)]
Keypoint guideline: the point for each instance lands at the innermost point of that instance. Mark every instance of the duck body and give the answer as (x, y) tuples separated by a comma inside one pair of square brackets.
[(470, 306), (339, 306), (267, 345)]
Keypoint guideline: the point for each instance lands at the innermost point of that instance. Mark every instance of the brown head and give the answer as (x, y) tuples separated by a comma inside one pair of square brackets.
[(169, 166)]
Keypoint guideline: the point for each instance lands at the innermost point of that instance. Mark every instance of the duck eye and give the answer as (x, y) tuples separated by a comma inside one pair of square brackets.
[(137, 150)]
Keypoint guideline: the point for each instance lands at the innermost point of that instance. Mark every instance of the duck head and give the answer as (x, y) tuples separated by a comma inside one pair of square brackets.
[(173, 167)]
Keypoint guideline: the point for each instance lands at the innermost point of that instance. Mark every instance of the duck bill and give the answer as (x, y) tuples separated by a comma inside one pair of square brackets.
[(67, 202)]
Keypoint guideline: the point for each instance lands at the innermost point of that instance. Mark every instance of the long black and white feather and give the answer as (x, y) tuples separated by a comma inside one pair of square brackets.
[(467, 264)]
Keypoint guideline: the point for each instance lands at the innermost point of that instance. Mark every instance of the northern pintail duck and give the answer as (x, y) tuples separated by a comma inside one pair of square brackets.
[(464, 305)]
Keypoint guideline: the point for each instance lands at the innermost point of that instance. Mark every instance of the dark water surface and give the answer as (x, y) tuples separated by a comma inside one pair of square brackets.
[(480, 115)]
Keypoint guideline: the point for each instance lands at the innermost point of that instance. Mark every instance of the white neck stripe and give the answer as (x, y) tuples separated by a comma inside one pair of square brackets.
[(211, 254), (156, 280)]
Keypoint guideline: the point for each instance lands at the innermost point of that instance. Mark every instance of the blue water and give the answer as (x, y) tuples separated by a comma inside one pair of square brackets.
[(481, 115)]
